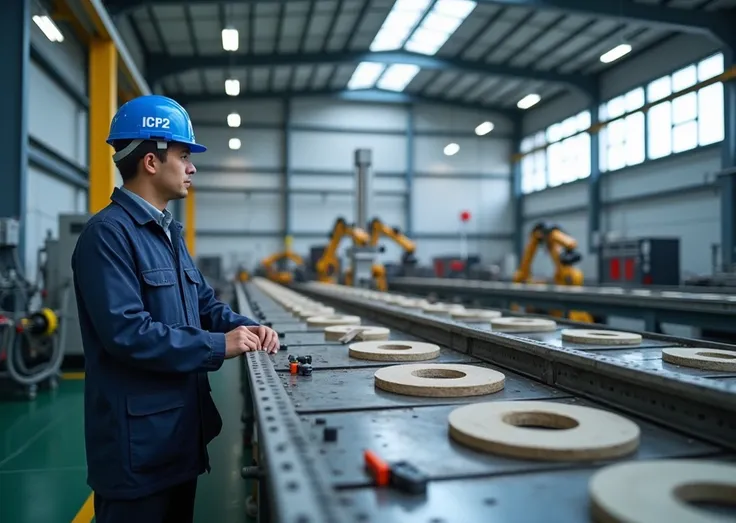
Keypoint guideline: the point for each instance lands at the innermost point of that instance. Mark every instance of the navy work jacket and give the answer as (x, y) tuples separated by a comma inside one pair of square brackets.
[(152, 329)]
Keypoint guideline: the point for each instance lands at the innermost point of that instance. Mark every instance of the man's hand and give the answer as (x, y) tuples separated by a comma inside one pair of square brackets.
[(268, 338), (239, 341)]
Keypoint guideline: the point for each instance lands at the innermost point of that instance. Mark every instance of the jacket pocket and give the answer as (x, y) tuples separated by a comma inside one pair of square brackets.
[(155, 430), (161, 294)]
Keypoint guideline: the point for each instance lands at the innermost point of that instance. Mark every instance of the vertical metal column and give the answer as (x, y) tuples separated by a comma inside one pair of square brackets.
[(728, 164), (103, 102), (16, 44), (190, 223), (363, 186), (517, 196), (286, 202), (409, 198), (594, 185)]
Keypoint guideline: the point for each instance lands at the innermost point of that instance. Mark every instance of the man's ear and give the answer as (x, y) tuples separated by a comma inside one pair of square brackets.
[(150, 163)]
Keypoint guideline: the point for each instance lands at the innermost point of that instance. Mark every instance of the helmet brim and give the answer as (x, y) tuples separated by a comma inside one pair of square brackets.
[(196, 148)]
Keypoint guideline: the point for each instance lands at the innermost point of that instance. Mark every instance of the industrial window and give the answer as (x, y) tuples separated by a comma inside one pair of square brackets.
[(568, 155), (565, 159), (533, 164), (690, 120), (622, 140)]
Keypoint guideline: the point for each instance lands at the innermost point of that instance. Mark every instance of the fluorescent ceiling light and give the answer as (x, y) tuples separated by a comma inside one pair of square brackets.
[(49, 28), (230, 39), (484, 128), (615, 53), (233, 120), (398, 76), (528, 101), (439, 25), (232, 87), (365, 75), (451, 148), (234, 143)]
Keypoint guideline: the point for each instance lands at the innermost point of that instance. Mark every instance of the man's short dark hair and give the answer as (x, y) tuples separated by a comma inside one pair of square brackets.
[(128, 166)]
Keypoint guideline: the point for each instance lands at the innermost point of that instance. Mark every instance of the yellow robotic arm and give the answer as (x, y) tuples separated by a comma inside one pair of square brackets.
[(327, 264), (269, 264), (562, 248), (378, 229)]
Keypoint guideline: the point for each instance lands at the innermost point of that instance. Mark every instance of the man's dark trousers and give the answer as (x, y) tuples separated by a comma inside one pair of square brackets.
[(173, 505)]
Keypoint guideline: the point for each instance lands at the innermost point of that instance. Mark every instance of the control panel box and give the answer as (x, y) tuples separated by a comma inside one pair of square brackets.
[(641, 262)]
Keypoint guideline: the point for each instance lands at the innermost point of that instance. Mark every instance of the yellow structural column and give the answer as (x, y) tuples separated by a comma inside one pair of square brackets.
[(190, 218), (103, 92)]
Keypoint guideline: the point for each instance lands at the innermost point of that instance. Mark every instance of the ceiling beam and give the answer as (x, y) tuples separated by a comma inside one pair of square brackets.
[(653, 15), (359, 95), (711, 23), (162, 65)]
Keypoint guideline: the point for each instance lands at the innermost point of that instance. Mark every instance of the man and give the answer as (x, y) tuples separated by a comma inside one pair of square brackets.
[(152, 328)]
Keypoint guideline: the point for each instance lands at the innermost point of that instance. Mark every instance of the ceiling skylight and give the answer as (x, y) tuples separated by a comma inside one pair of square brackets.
[(410, 25), (399, 24), (365, 75), (439, 25), (397, 77)]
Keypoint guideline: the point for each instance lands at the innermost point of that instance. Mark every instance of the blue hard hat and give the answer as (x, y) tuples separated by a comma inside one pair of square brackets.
[(152, 117)]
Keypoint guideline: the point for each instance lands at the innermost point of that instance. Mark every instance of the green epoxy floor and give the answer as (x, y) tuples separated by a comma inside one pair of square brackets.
[(42, 464)]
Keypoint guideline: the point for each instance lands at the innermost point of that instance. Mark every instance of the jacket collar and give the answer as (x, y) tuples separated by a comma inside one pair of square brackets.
[(138, 213)]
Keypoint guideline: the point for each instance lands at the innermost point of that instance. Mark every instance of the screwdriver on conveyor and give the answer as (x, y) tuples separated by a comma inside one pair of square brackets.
[(401, 474)]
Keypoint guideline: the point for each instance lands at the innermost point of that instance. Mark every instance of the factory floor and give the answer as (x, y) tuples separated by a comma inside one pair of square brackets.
[(42, 463)]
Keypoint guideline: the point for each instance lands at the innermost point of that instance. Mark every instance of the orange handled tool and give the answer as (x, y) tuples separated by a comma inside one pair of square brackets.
[(378, 468)]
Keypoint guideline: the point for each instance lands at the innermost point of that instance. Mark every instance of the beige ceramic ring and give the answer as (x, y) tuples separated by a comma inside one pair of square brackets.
[(701, 358), (510, 428), (394, 350), (513, 324), (600, 337), (661, 490), (439, 380)]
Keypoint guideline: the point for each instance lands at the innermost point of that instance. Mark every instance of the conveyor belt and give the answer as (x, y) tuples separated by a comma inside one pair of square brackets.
[(681, 413), (707, 310)]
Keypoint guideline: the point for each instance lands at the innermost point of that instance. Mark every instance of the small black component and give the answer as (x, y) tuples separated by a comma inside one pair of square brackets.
[(320, 421), (330, 434), (281, 334), (268, 324), (284, 347), (292, 358), (407, 478), (305, 369)]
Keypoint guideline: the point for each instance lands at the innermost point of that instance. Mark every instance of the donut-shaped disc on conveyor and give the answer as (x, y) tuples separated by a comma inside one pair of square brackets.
[(600, 337), (439, 380), (701, 358), (441, 309), (365, 332), (661, 491), (475, 314), (394, 350), (521, 324), (511, 428), (330, 320)]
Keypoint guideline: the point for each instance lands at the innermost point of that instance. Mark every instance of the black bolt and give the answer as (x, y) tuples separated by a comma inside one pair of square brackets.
[(330, 434), (268, 324), (320, 421), (283, 346), (281, 334)]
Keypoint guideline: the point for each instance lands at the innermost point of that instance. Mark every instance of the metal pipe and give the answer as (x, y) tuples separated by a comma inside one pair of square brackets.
[(363, 175)]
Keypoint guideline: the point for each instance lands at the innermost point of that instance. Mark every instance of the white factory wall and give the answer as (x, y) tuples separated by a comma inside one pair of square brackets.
[(243, 227), (638, 201), (59, 124)]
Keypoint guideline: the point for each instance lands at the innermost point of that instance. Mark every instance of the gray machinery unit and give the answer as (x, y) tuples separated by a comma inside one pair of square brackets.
[(58, 278), (640, 261), (362, 258), (31, 326)]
